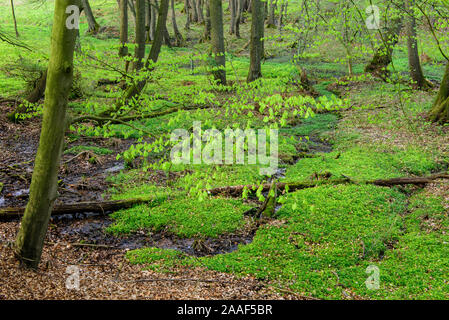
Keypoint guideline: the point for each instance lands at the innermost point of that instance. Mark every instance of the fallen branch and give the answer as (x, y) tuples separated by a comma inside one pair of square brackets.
[(233, 191), (236, 191)]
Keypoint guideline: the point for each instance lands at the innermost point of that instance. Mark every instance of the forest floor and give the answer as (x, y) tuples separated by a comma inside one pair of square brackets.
[(323, 242)]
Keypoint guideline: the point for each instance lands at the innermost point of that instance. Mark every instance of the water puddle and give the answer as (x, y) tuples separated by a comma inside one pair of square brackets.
[(92, 230)]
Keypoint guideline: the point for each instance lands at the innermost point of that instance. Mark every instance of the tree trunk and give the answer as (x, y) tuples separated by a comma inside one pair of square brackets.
[(233, 10), (147, 21), (139, 52), (154, 15), (199, 9), (94, 27), (282, 12), (238, 17), (44, 183), (217, 40), (134, 90), (194, 17), (384, 54), (123, 51), (187, 12), (178, 36), (256, 44), (416, 72), (271, 14), (14, 18), (440, 109), (207, 25)]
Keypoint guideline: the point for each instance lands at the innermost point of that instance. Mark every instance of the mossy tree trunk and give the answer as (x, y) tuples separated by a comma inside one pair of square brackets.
[(44, 183), (207, 26), (440, 109), (139, 52), (154, 9), (256, 44), (217, 40), (123, 51)]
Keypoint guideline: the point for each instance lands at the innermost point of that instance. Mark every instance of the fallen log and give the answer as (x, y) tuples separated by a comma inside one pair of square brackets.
[(80, 207), (232, 191), (236, 191)]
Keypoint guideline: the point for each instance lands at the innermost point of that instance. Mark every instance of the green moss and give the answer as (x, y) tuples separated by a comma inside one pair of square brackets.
[(365, 163), (184, 217)]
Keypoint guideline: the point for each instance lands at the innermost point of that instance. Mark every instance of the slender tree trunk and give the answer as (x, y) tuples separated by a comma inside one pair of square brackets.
[(233, 10), (207, 25), (153, 19), (123, 51), (147, 21), (271, 23), (187, 12), (238, 17), (135, 89), (94, 27), (139, 52), (282, 13), (384, 54), (440, 109), (217, 40), (44, 183), (256, 44), (14, 18), (416, 72), (194, 17), (178, 36)]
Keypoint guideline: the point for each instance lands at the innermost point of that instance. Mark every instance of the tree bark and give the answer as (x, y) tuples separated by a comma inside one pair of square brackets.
[(256, 44), (416, 73), (271, 23), (44, 184), (154, 14), (199, 9), (123, 51), (217, 40), (135, 89), (236, 191), (233, 10), (14, 19), (187, 12), (207, 25), (139, 52), (94, 27), (194, 17), (238, 17), (178, 36), (440, 109)]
